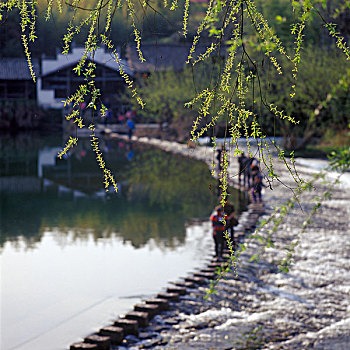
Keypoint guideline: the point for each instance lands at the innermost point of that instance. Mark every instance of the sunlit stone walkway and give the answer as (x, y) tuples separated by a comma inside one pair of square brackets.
[(307, 308)]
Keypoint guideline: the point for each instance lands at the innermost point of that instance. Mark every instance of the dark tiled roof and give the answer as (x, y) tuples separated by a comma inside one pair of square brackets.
[(17, 69), (161, 56), (61, 62)]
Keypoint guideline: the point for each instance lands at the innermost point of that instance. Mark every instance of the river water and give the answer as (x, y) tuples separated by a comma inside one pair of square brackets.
[(74, 257)]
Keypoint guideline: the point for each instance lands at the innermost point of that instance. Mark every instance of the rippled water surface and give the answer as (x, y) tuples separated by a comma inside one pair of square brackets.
[(75, 257)]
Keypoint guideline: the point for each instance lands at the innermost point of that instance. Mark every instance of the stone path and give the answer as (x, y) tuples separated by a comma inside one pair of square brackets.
[(261, 308)]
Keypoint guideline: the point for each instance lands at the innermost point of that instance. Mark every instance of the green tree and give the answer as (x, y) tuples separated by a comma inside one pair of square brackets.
[(249, 28), (321, 100), (167, 92), (246, 91)]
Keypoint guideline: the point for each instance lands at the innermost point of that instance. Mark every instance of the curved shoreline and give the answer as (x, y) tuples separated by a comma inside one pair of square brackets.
[(260, 307)]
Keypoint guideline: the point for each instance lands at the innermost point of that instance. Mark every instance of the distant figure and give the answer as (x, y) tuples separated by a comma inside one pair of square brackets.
[(223, 160), (82, 105), (219, 156), (254, 171), (108, 115), (257, 185), (128, 115), (231, 221), (133, 115), (241, 163), (131, 126), (247, 173), (218, 231), (108, 112), (254, 164), (121, 118)]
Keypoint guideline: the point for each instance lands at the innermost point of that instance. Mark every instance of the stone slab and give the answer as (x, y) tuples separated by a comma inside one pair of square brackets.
[(162, 303), (169, 296), (102, 342), (140, 317), (129, 326), (85, 346), (151, 309), (116, 334)]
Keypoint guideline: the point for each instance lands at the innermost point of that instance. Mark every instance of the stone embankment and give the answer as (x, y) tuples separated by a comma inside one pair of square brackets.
[(259, 307)]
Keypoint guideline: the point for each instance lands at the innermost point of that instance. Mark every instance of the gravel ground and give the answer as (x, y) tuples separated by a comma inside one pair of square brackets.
[(261, 308)]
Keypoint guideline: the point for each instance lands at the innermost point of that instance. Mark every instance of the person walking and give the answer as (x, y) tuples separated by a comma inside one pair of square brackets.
[(257, 185), (254, 171), (241, 164), (219, 157), (131, 126), (231, 221), (219, 228), (121, 119), (247, 173)]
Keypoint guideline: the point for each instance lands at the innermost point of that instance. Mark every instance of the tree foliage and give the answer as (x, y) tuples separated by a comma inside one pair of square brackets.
[(254, 34), (272, 73), (167, 92), (320, 102)]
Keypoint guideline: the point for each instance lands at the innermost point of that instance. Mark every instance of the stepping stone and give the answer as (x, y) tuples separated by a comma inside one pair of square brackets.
[(208, 269), (249, 223), (147, 335), (215, 264), (163, 304), (171, 321), (207, 275), (140, 317), (158, 329), (151, 309), (115, 333), (184, 284), (197, 280), (102, 342), (128, 326), (175, 289), (150, 343), (169, 296), (80, 346)]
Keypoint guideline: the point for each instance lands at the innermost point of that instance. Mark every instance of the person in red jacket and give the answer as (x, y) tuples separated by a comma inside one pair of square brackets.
[(219, 228)]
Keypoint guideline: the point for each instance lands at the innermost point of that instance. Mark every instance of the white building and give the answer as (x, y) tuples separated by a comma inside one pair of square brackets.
[(58, 81)]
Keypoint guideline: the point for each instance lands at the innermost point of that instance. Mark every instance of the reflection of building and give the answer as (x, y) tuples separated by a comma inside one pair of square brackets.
[(47, 157), (58, 80), (15, 79), (40, 170), (20, 184)]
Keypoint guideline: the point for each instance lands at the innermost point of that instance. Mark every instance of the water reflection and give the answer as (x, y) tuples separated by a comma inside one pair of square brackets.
[(66, 289), (68, 249), (159, 192)]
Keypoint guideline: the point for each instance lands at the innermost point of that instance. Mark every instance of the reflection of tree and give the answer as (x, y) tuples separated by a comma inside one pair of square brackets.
[(135, 222), (161, 193), (139, 225), (173, 181), (20, 216)]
